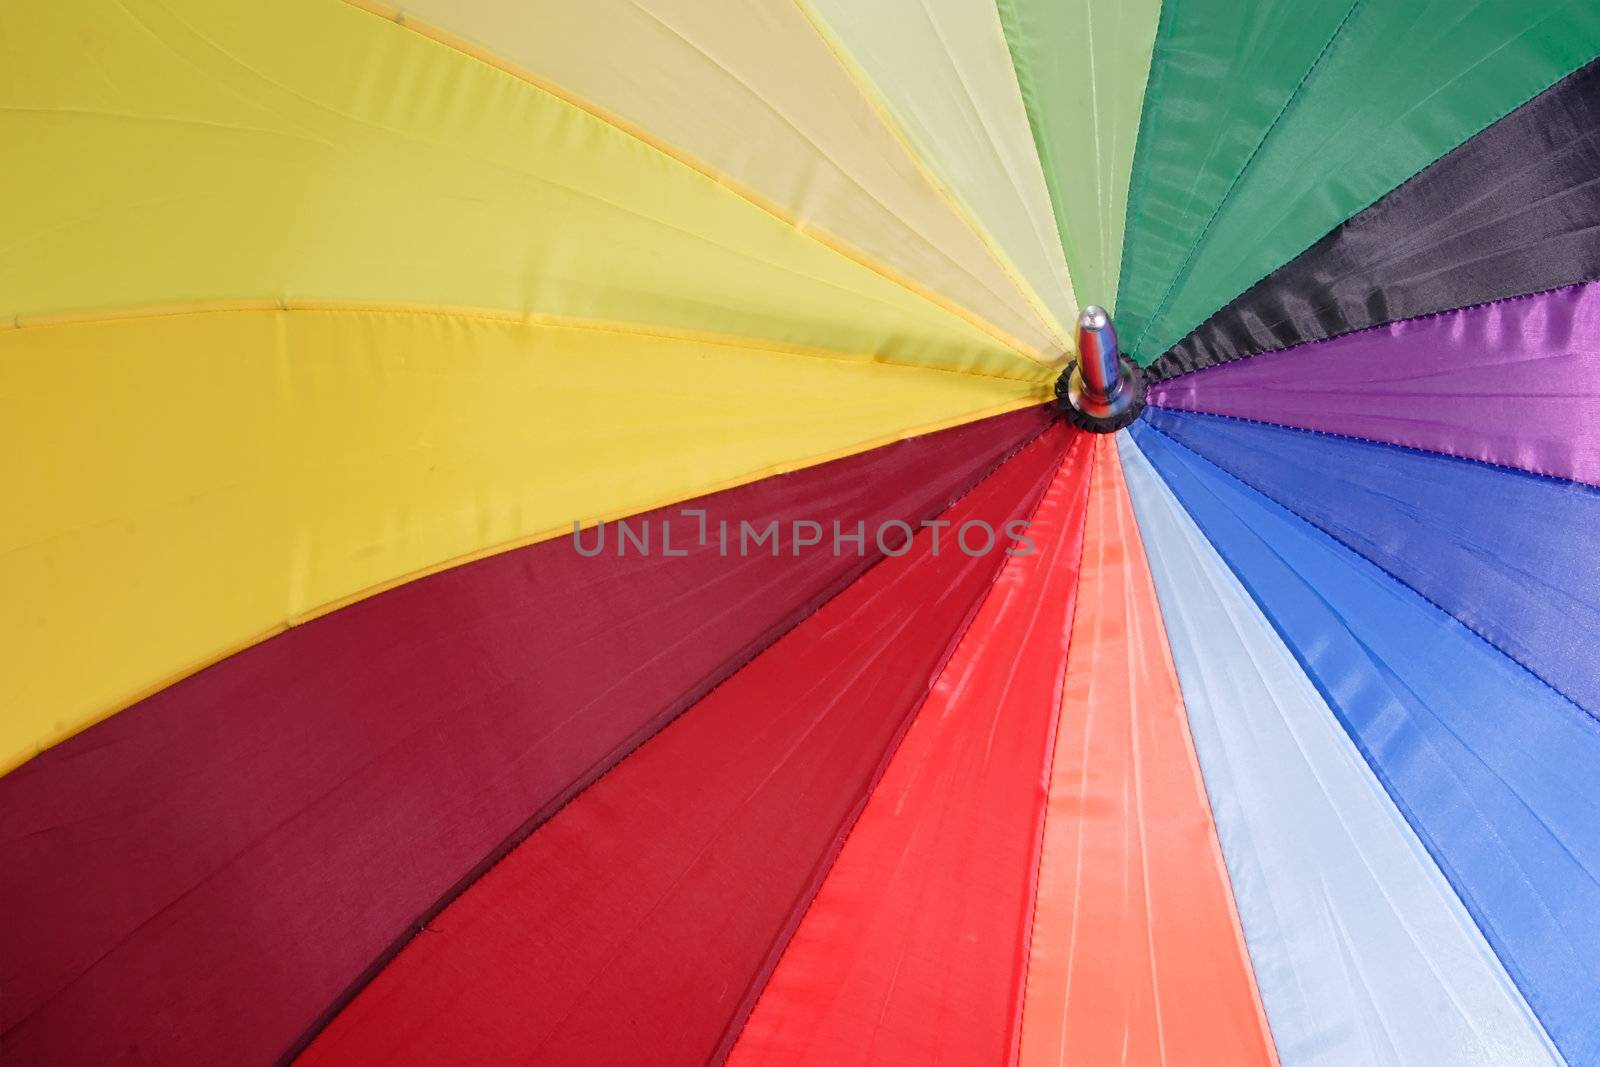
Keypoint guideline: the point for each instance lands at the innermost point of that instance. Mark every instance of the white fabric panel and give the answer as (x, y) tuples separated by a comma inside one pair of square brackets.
[(943, 69), (1362, 952)]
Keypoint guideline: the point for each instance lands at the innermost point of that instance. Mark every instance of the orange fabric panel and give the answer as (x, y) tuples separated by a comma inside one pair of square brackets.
[(1137, 956), (915, 947)]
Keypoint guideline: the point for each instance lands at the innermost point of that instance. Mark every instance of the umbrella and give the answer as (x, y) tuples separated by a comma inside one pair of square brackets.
[(800, 531)]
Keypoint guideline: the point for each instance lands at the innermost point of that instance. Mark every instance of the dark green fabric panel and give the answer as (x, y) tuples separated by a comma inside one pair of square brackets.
[(1220, 74), (1268, 124)]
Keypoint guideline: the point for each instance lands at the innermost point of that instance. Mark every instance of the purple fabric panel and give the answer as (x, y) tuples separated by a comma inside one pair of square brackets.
[(1514, 383)]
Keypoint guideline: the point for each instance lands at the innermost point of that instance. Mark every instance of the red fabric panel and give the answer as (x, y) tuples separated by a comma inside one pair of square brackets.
[(202, 877), (916, 947), (636, 926)]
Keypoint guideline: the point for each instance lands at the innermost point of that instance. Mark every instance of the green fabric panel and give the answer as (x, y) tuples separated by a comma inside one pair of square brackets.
[(1082, 66), (1270, 123)]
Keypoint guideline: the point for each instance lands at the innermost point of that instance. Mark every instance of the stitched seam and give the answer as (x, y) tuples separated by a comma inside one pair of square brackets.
[(1139, 166), (1508, 468), (532, 319), (1355, 331)]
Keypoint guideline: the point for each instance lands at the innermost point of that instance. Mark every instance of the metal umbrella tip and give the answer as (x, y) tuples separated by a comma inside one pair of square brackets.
[(1102, 390)]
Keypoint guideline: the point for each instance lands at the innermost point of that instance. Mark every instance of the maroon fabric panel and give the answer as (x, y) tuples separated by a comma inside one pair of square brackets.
[(204, 877), (637, 926)]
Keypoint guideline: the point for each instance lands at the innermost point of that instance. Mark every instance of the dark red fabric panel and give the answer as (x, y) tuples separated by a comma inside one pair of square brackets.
[(637, 926), (204, 876)]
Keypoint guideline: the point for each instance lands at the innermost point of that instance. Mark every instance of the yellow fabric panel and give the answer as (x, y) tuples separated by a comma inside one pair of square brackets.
[(194, 482), (196, 150), (749, 89)]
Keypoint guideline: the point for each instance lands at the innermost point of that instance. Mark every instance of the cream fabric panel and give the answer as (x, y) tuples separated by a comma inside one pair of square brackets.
[(751, 90), (944, 70)]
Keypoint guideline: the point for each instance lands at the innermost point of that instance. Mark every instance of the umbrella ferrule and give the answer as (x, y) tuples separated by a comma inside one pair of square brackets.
[(1101, 390), (1099, 357)]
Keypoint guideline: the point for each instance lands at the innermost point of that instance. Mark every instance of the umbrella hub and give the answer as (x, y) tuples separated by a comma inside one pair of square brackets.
[(1102, 390)]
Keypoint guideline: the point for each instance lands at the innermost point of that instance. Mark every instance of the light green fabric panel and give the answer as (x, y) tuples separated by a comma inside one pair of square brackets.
[(1082, 66), (1270, 123)]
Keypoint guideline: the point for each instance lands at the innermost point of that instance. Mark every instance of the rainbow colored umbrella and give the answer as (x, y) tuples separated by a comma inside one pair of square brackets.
[(620, 532)]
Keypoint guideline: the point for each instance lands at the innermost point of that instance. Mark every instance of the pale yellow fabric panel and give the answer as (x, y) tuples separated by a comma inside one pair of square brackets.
[(195, 150), (750, 89), (945, 72), (181, 485)]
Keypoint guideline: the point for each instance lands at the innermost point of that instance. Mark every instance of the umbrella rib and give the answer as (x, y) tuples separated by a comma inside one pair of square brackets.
[(511, 317)]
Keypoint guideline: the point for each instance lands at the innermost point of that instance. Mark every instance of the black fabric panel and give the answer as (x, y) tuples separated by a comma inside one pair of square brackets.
[(1514, 210)]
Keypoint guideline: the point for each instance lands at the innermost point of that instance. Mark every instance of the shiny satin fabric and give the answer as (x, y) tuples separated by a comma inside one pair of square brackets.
[(1362, 950), (1514, 383), (914, 949), (281, 821), (1512, 211), (1269, 123), (1136, 952), (638, 924), (1509, 554), (1493, 769)]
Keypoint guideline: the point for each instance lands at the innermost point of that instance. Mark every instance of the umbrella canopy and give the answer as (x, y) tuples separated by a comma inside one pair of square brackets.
[(621, 532)]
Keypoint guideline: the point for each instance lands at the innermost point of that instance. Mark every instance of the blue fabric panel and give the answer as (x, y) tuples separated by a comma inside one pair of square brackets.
[(1496, 772), (1511, 554)]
